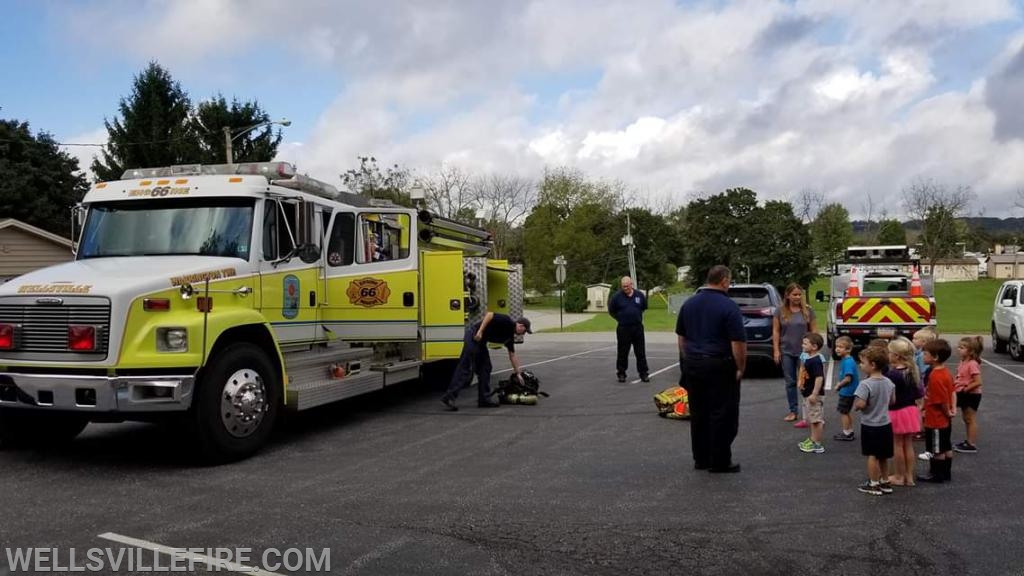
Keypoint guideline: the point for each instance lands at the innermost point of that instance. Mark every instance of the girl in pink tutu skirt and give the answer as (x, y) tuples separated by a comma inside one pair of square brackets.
[(904, 413)]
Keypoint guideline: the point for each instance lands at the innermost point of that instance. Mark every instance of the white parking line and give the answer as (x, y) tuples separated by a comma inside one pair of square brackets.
[(828, 374), (653, 374), (186, 555), (1003, 370), (556, 359)]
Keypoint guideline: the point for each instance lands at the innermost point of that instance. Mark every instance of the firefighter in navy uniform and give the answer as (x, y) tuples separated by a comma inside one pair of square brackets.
[(627, 307), (712, 356), (495, 329)]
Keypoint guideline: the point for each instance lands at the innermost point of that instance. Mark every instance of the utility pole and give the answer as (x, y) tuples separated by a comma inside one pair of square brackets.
[(627, 241)]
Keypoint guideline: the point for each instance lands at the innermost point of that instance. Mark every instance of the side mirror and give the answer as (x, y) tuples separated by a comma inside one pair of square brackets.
[(77, 223), (309, 253), (308, 246), (1008, 303), (819, 295)]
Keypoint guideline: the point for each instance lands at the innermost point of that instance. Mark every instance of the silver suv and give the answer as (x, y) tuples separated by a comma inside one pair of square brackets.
[(1008, 319)]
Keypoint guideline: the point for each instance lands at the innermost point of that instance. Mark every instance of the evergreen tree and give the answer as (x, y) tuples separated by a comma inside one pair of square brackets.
[(154, 128), (38, 181), (209, 120)]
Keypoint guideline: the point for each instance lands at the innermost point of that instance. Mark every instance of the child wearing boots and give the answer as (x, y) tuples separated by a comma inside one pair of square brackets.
[(938, 412)]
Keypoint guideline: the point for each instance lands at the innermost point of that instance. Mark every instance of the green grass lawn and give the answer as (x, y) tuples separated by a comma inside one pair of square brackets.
[(963, 308)]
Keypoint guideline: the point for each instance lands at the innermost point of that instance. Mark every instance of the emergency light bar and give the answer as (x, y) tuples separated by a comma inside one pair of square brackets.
[(278, 173), (272, 170)]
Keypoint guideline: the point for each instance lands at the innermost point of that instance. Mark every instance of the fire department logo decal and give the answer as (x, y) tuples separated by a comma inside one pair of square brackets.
[(368, 292)]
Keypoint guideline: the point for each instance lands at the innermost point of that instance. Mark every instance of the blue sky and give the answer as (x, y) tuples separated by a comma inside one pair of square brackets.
[(851, 98)]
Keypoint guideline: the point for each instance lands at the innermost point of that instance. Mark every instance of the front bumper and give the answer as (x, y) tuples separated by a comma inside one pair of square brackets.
[(96, 394)]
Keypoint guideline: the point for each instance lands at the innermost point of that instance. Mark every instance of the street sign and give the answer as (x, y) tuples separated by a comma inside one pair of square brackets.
[(560, 279), (560, 270)]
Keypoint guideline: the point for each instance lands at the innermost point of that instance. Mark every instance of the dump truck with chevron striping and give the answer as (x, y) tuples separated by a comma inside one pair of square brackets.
[(878, 292)]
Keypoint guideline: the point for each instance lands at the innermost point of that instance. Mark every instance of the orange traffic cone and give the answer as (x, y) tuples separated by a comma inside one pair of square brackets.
[(854, 288), (915, 283)]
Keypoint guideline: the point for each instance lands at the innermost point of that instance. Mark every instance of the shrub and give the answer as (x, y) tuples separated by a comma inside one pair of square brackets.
[(576, 298)]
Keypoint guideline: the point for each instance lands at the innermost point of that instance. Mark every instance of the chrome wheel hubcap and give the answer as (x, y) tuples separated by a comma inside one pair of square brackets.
[(243, 403)]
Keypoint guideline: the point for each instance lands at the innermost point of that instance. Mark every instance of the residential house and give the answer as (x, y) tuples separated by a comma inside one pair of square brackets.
[(24, 248)]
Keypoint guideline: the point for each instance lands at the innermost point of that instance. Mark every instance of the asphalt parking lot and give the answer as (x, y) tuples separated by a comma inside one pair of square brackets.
[(590, 481)]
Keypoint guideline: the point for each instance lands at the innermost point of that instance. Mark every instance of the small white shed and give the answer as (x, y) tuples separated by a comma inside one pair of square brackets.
[(597, 297)]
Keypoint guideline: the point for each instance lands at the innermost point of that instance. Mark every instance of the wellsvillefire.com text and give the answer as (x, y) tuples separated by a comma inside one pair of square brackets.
[(135, 560)]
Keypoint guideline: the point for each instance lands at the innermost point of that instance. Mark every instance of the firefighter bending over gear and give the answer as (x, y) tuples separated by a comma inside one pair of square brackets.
[(494, 329)]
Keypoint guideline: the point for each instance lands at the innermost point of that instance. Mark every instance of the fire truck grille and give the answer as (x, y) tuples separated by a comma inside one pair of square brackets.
[(44, 328)]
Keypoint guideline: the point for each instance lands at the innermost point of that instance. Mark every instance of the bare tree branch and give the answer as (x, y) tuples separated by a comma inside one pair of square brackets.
[(807, 204), (450, 193), (939, 209)]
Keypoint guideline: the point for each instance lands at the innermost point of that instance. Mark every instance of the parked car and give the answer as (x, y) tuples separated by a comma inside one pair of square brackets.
[(1008, 319), (758, 303)]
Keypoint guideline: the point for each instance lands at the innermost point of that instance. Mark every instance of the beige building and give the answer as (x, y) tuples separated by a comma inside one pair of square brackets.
[(24, 248), (1006, 266), (952, 269), (597, 297)]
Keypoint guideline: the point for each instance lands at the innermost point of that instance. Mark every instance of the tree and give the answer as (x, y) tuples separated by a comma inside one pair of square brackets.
[(770, 242), (715, 230), (504, 200), (776, 246), (392, 184), (807, 204), (38, 181), (572, 217), (208, 123), (831, 234), (891, 233), (154, 128), (450, 193), (939, 210)]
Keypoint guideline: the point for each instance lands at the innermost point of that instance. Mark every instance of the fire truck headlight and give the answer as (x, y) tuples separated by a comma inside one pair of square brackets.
[(172, 339)]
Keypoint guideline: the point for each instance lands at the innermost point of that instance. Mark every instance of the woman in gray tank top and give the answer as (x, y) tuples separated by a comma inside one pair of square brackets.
[(793, 320)]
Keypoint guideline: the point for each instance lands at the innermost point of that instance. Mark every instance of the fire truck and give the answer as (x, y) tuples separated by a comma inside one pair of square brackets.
[(878, 292), (215, 297)]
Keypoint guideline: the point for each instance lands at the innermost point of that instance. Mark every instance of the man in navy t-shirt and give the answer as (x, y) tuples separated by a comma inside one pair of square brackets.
[(712, 358)]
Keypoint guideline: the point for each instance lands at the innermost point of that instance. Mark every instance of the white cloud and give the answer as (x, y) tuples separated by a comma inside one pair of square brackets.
[(85, 154), (837, 95)]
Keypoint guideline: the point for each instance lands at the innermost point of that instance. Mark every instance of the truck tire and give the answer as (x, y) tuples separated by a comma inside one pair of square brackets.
[(32, 428), (1014, 346), (998, 345), (236, 405)]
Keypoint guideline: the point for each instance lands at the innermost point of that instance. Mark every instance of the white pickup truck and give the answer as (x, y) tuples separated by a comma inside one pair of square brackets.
[(1008, 319)]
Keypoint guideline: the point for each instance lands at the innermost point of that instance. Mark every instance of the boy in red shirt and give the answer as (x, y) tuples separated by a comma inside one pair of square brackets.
[(939, 409)]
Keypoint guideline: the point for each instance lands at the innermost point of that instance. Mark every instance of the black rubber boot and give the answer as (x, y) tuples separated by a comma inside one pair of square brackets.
[(934, 474)]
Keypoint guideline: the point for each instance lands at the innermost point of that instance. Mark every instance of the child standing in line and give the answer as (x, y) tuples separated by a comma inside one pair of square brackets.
[(874, 394), (968, 389), (938, 412), (801, 375), (904, 413), (922, 337), (849, 379), (812, 387)]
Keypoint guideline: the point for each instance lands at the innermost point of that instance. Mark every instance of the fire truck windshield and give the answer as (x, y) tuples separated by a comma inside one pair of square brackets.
[(203, 227)]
